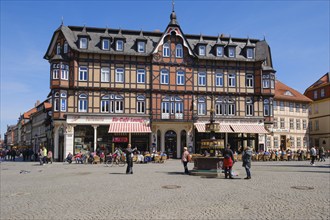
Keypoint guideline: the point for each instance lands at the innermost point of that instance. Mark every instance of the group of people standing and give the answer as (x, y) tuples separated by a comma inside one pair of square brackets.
[(44, 156), (228, 161)]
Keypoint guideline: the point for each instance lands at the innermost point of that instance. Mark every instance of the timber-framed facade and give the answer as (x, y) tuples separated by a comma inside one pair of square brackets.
[(112, 87)]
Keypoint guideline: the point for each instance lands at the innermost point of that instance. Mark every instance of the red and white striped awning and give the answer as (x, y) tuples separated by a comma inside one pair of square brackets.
[(249, 128), (129, 128), (223, 128)]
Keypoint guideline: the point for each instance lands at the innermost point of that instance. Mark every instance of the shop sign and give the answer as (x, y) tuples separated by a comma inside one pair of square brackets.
[(126, 119), (119, 139)]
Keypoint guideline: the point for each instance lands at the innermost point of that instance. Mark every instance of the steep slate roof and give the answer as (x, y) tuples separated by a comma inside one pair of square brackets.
[(325, 79), (72, 34), (281, 89)]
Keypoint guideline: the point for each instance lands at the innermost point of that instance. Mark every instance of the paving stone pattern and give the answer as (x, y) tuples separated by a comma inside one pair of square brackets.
[(161, 191)]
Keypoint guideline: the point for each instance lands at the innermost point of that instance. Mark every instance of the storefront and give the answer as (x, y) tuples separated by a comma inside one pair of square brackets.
[(99, 133)]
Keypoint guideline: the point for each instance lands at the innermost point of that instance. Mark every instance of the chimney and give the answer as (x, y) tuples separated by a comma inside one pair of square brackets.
[(37, 103)]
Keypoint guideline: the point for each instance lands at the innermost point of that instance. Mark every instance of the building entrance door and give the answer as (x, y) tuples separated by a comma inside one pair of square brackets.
[(171, 143), (283, 142)]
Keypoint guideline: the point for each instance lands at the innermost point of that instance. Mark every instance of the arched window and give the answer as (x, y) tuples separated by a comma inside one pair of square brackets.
[(105, 102), (172, 105), (164, 76), (58, 49), (179, 51), (266, 107), (140, 104), (56, 102), (201, 106), (65, 48), (82, 103), (166, 50), (225, 106), (116, 104), (63, 101), (249, 107)]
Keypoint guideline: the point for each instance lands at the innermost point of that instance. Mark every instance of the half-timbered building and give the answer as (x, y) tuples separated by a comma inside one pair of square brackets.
[(110, 87)]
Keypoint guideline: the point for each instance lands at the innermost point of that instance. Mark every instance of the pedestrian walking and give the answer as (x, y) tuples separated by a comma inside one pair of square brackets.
[(321, 154), (40, 155), (228, 162), (129, 159), (246, 158), (313, 155), (185, 160)]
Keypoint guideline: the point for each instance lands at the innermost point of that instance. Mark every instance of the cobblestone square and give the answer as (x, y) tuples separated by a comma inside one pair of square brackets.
[(277, 190)]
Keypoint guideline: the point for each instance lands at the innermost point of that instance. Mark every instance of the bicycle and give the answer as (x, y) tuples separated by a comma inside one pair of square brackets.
[(115, 161)]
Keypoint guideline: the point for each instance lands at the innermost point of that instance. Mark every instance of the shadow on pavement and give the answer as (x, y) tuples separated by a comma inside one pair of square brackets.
[(118, 173), (288, 165)]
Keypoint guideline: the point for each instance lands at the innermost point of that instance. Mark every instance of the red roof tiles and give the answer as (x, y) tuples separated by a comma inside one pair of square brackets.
[(281, 89)]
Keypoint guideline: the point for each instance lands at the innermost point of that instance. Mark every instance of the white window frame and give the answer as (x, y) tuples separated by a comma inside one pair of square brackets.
[(58, 49), (166, 50), (83, 43), (56, 102), (119, 45), (140, 104), (141, 46), (201, 106), (250, 53), (141, 75), (202, 79), (65, 47), (249, 107), (231, 80), (104, 45), (266, 107), (282, 123), (178, 51), (249, 81), (83, 73), (55, 73), (164, 76), (82, 103), (220, 51), (120, 75), (64, 74), (105, 74), (180, 77), (202, 50), (105, 104), (231, 52), (291, 123), (63, 102), (304, 122), (219, 79), (265, 82), (231, 108), (298, 124)]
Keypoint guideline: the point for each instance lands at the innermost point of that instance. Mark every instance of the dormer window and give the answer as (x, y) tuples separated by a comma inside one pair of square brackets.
[(288, 93), (105, 44), (231, 51), (166, 50), (83, 43), (141, 46), (219, 51), (202, 50), (119, 45), (58, 49), (65, 48), (250, 53), (179, 51)]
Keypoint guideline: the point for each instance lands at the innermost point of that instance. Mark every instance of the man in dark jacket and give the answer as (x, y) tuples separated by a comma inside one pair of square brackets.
[(129, 159), (246, 157)]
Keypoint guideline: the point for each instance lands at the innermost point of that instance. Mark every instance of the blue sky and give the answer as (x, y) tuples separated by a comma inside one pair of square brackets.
[(297, 32)]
